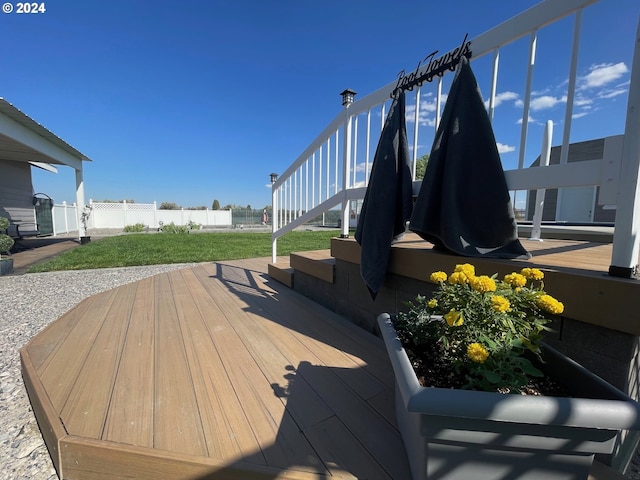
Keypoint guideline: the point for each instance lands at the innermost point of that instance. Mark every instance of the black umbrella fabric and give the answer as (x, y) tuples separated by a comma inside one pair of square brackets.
[(464, 204), (388, 201)]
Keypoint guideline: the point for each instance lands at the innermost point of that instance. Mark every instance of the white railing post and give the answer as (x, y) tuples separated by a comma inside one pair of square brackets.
[(545, 155), (346, 165), (626, 238), (416, 123)]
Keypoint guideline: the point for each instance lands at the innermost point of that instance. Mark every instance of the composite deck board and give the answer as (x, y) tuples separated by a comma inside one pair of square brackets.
[(177, 424), (298, 342), (302, 401), (227, 430), (338, 380), (130, 417), (271, 349), (341, 339), (85, 408), (271, 422), (59, 374), (42, 346), (216, 392)]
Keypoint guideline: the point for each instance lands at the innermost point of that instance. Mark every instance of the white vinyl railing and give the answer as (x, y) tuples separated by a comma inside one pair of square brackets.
[(65, 218), (333, 171)]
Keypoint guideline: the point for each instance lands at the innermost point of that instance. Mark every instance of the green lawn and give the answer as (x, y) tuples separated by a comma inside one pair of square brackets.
[(145, 249)]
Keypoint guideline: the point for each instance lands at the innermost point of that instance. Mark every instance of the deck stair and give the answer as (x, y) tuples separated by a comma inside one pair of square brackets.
[(282, 271), (318, 264)]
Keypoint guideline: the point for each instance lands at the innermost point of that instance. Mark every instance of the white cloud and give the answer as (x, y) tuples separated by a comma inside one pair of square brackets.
[(503, 97), (531, 120), (612, 93), (360, 168), (502, 148), (604, 73), (427, 108), (546, 101), (579, 115), (582, 102)]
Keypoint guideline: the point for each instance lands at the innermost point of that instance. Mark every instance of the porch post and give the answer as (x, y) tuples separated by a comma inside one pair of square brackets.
[(80, 202), (626, 238)]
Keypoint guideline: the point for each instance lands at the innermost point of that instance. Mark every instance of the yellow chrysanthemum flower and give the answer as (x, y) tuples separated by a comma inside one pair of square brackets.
[(550, 304), (454, 318), (515, 279), (500, 304), (483, 284), (458, 278), (532, 273), (466, 268), (477, 353), (438, 277), (433, 303)]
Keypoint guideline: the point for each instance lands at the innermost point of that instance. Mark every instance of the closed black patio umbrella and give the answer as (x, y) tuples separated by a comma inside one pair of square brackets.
[(388, 201), (464, 205)]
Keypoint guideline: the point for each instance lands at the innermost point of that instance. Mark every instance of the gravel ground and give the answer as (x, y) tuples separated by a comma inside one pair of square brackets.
[(30, 303)]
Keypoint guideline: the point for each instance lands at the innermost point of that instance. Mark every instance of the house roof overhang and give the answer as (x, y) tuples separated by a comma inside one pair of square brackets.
[(22, 139)]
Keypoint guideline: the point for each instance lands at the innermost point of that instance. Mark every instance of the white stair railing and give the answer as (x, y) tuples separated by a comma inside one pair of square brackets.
[(333, 171)]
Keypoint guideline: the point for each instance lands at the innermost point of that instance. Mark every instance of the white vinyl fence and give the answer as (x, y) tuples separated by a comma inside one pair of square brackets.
[(119, 215)]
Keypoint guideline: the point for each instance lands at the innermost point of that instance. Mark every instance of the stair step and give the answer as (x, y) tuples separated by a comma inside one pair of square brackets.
[(317, 263), (282, 272)]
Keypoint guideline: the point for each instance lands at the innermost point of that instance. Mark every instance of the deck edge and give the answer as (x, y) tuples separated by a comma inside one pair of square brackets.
[(52, 429), (92, 459)]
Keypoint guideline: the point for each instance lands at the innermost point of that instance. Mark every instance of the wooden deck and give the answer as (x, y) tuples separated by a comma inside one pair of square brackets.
[(212, 372)]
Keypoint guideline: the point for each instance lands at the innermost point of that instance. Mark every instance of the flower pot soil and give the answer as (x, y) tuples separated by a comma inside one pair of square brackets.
[(433, 372)]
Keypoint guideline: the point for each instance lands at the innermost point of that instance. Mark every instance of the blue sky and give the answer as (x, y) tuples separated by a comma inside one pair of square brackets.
[(198, 100)]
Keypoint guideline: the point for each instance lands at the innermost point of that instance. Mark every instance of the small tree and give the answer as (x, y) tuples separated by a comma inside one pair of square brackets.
[(215, 205), (421, 166), (169, 206)]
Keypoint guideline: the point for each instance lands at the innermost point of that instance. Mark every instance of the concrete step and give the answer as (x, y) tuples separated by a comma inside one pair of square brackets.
[(318, 263)]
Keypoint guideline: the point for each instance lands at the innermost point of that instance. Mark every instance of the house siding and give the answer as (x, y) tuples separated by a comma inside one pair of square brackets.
[(578, 152), (16, 192)]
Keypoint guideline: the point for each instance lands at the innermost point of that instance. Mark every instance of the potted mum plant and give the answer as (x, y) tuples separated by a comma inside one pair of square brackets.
[(6, 243), (473, 392)]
